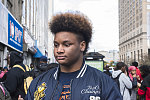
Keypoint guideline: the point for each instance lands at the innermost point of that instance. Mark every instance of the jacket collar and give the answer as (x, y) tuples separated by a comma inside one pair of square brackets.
[(80, 74)]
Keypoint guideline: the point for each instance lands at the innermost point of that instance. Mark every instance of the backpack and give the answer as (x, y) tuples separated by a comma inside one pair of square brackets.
[(118, 83), (4, 94), (117, 80), (28, 79)]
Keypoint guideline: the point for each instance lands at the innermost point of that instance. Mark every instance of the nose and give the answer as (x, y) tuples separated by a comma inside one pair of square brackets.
[(60, 49)]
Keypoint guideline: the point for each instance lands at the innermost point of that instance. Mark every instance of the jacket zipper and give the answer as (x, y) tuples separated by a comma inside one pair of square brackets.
[(54, 90), (70, 88)]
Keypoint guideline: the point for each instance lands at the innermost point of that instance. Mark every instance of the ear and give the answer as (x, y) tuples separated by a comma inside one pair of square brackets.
[(82, 45)]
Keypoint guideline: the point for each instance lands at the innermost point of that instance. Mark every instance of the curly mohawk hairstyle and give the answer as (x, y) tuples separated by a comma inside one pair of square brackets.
[(74, 22)]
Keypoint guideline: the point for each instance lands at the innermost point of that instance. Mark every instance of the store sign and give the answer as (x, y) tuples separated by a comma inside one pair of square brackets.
[(15, 33)]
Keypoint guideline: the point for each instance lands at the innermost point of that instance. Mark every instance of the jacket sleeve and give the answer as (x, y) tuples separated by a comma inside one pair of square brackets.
[(110, 90), (134, 82), (114, 93), (142, 89), (126, 80)]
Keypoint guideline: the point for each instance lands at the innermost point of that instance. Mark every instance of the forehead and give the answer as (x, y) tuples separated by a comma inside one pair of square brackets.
[(65, 36)]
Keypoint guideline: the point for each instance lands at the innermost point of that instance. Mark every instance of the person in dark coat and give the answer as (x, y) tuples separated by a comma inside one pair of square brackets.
[(14, 82), (42, 67), (144, 89), (72, 79)]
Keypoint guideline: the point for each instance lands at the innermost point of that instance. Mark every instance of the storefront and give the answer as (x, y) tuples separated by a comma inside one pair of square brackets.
[(11, 35)]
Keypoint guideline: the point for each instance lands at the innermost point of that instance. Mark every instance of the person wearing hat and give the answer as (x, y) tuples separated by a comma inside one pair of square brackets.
[(14, 82), (41, 68)]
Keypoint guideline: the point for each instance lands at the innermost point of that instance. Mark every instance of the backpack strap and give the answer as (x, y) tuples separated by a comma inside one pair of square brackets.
[(19, 67), (28, 80), (2, 89), (119, 75), (27, 68)]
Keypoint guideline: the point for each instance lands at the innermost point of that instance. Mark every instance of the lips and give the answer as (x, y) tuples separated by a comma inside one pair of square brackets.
[(61, 57)]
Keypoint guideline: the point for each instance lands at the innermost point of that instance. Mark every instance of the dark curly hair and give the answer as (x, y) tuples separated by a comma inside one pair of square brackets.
[(74, 22), (145, 70), (119, 65)]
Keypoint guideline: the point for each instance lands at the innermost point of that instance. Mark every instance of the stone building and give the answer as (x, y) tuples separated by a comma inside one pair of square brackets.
[(134, 29)]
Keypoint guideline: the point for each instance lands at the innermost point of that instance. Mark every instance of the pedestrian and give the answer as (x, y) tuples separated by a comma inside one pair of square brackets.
[(14, 82), (41, 68), (144, 89), (5, 70), (31, 66), (139, 77), (73, 79), (107, 70), (53, 65), (124, 81), (133, 77)]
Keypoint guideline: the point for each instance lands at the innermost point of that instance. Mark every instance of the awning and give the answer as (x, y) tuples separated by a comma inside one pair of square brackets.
[(32, 50), (38, 54)]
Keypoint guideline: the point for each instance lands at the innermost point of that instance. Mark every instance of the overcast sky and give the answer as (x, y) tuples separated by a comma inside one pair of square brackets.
[(104, 16)]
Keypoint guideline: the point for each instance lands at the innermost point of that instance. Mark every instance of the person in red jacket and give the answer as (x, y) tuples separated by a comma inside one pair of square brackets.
[(144, 90), (139, 77)]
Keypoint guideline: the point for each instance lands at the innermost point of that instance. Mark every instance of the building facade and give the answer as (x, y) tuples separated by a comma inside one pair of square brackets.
[(134, 29), (25, 22), (112, 55)]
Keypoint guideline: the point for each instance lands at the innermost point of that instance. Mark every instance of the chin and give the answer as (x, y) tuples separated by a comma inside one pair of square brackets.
[(61, 62)]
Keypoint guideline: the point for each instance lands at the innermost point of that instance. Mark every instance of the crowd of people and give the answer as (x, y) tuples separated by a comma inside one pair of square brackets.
[(134, 80), (72, 78), (13, 79)]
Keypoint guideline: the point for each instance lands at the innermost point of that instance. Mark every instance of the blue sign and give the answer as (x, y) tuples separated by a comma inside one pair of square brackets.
[(15, 33)]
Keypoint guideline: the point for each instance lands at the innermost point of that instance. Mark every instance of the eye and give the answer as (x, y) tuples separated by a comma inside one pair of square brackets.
[(56, 45), (68, 44)]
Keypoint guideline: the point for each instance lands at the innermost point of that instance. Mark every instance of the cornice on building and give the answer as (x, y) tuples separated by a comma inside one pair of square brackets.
[(132, 38)]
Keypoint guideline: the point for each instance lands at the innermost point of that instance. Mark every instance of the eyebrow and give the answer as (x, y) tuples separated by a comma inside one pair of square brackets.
[(63, 41)]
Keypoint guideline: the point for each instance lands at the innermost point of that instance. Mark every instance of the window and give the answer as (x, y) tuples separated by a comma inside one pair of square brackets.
[(141, 42), (137, 43), (141, 54), (141, 22), (131, 56), (134, 55), (138, 55), (148, 6), (140, 30), (140, 15)]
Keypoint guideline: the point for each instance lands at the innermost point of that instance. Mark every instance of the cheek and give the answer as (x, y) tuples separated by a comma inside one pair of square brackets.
[(55, 51), (133, 72)]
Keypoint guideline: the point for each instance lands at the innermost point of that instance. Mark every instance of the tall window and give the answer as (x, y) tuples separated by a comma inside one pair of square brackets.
[(137, 43), (141, 54), (138, 55), (131, 56), (134, 55)]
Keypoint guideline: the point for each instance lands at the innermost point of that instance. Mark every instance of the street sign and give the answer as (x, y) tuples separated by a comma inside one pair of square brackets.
[(98, 64)]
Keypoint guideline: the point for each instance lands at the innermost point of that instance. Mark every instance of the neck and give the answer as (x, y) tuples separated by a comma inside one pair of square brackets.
[(73, 67)]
